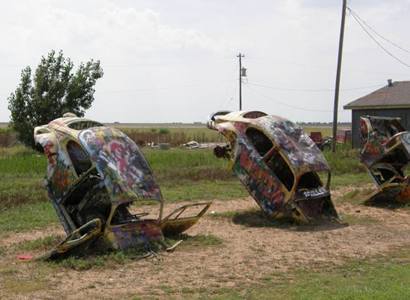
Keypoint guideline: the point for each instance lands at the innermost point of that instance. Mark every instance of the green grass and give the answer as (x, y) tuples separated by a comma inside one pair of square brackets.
[(175, 136), (27, 217), (357, 196), (184, 175), (253, 217), (117, 258), (45, 243), (357, 219), (203, 190), (344, 161), (358, 179), (15, 191), (199, 241), (380, 278), (20, 161)]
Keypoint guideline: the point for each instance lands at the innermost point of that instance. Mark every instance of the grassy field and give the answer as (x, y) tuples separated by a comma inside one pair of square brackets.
[(371, 279), (174, 134), (184, 175), (193, 175)]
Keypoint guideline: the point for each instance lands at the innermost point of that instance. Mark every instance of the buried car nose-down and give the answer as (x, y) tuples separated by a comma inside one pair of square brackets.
[(280, 166), (95, 173)]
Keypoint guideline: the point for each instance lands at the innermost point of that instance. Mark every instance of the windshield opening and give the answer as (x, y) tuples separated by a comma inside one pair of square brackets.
[(309, 181)]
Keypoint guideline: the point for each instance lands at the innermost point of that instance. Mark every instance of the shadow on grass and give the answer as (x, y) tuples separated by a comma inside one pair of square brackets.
[(256, 218), (385, 202), (99, 256), (379, 200)]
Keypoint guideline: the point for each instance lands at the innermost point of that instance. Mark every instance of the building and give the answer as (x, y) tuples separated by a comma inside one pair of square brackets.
[(393, 100)]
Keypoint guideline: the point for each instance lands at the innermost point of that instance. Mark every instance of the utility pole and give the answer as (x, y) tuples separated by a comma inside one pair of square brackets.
[(339, 67), (240, 79)]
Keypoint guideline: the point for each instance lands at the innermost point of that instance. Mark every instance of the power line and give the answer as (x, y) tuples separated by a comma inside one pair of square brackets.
[(155, 89), (311, 90), (379, 44), (291, 106), (375, 32)]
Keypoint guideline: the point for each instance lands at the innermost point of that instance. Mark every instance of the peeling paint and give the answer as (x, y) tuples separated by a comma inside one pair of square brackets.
[(94, 174), (278, 164)]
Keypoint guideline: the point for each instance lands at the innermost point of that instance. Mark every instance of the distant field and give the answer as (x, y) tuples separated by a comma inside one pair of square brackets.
[(173, 133), (158, 125)]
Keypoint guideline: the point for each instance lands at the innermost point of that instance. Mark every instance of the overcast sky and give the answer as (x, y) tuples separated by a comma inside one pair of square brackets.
[(175, 61)]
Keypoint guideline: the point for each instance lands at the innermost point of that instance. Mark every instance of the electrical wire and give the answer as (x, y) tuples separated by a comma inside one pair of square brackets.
[(310, 90), (375, 32), (154, 89), (292, 106), (379, 44)]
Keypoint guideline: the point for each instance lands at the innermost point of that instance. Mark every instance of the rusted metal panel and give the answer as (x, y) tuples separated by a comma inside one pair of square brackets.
[(386, 153), (277, 163)]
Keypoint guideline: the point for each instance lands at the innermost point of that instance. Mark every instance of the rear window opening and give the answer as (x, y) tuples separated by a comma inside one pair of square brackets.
[(254, 114), (84, 124), (79, 158), (259, 140), (281, 169), (275, 162)]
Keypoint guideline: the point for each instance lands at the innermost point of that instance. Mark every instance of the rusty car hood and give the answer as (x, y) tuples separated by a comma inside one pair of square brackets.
[(125, 171)]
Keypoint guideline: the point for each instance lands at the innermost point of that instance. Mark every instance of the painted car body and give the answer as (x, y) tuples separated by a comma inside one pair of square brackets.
[(94, 174), (278, 164), (386, 153)]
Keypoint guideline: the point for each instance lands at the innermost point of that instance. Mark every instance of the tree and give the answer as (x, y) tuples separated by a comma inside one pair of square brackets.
[(54, 90)]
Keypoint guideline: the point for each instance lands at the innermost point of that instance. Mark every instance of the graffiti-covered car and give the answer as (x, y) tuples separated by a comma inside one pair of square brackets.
[(386, 153), (280, 166), (94, 174)]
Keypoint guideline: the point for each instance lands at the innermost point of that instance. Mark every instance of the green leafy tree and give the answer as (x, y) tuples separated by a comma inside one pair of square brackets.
[(55, 88)]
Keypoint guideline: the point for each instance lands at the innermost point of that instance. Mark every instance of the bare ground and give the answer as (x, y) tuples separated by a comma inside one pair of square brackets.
[(250, 252)]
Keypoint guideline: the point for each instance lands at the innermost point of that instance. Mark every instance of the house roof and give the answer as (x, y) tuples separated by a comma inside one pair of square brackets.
[(396, 95)]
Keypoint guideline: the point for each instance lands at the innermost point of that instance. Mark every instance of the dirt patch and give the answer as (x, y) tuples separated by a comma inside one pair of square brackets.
[(248, 254), (10, 238)]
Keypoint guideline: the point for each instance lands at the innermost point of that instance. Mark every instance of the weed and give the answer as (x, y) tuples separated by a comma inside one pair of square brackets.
[(357, 196), (82, 264), (358, 219), (201, 240), (44, 243)]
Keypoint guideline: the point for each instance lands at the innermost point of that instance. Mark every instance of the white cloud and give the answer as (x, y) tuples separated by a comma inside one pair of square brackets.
[(175, 61)]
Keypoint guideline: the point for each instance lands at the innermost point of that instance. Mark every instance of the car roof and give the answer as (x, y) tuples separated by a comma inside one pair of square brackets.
[(245, 116)]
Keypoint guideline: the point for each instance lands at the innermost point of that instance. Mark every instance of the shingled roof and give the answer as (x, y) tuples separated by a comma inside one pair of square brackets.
[(393, 95)]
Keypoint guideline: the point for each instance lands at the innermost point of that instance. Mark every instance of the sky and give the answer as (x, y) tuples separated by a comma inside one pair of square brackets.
[(175, 61)]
